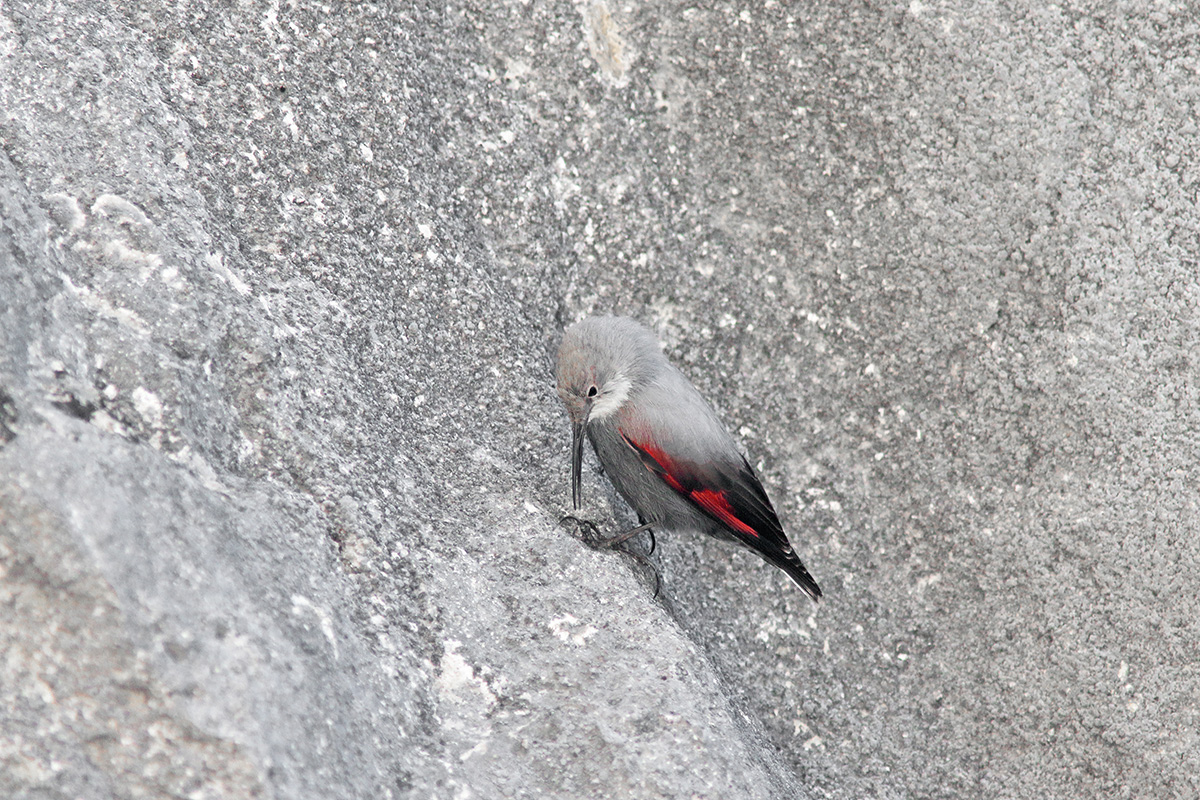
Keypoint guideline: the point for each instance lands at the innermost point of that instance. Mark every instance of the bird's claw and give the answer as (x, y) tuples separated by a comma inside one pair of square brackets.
[(648, 564), (585, 528)]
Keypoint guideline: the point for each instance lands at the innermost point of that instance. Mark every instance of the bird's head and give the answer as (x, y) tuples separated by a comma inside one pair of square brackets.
[(602, 361)]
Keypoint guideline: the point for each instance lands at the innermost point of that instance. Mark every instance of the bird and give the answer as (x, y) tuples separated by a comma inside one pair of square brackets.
[(661, 444)]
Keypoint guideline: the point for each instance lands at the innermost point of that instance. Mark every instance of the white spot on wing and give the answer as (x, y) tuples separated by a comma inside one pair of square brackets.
[(612, 396)]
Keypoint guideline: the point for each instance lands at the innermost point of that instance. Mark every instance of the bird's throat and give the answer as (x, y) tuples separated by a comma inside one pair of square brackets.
[(615, 393)]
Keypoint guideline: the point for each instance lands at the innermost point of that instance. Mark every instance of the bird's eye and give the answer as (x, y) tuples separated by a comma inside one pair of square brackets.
[(591, 391)]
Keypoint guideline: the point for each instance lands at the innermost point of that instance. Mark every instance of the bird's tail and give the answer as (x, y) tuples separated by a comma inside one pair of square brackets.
[(794, 567)]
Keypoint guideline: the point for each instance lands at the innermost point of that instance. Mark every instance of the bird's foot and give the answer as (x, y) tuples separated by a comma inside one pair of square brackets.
[(585, 529), (590, 534)]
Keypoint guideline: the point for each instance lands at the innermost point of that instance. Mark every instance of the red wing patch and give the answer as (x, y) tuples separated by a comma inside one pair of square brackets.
[(731, 495), (664, 463), (718, 506), (711, 501)]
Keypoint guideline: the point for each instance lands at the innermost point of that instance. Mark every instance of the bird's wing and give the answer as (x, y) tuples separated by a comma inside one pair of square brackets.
[(678, 437), (725, 490), (729, 492)]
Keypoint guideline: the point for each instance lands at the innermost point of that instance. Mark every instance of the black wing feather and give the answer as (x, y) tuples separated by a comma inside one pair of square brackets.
[(741, 492)]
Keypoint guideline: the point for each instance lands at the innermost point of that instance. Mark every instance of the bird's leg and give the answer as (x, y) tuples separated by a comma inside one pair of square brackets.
[(621, 538), (591, 533)]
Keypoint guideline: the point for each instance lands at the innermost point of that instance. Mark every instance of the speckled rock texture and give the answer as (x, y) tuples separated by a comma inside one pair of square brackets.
[(281, 461)]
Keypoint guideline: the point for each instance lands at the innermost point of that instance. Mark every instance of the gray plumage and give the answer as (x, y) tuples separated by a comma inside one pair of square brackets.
[(661, 444)]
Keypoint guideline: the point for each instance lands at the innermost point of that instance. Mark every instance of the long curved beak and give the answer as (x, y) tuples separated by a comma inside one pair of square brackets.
[(576, 463)]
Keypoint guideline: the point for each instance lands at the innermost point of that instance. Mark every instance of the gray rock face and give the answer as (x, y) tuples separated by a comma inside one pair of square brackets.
[(281, 461)]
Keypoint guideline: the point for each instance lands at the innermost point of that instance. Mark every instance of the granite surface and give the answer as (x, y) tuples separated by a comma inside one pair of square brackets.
[(281, 461)]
